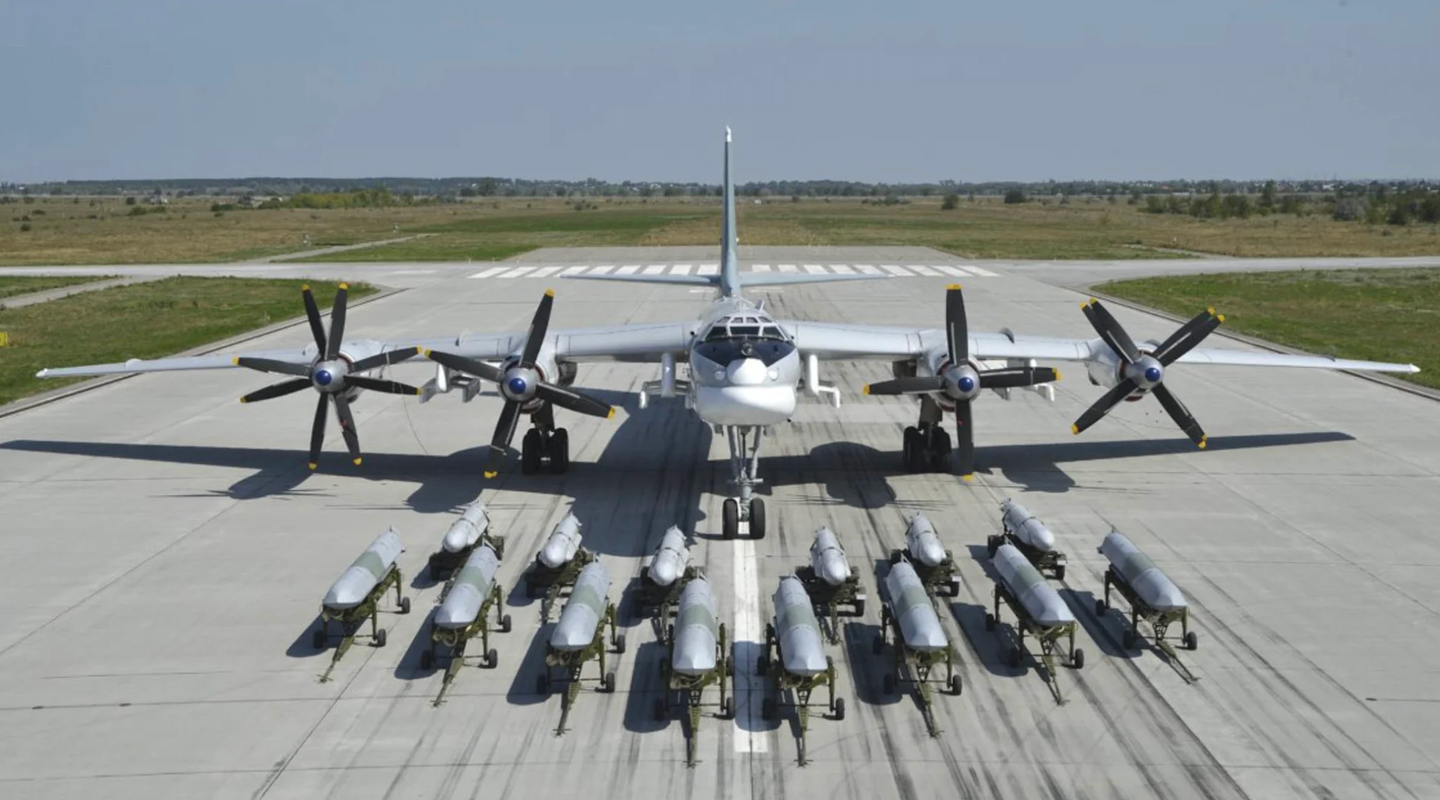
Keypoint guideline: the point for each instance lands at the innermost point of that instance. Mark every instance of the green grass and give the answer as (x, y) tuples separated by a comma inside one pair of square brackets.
[(1372, 314), (146, 320), (15, 286)]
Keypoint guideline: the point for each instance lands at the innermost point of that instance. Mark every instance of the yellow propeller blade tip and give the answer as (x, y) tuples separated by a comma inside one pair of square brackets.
[(1084, 305), (865, 389), (967, 477), (305, 287), (358, 460), (425, 351), (611, 414), (1211, 311), (489, 474), (418, 392), (952, 287), (1093, 301), (345, 286), (1057, 374), (313, 465), (1203, 441), (1220, 317), (549, 292), (243, 400), (235, 361), (1075, 429)]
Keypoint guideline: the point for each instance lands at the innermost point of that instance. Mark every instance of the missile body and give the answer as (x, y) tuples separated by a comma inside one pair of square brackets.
[(910, 605), (583, 610), (697, 630), (671, 559), (467, 530), (354, 585), (563, 543), (828, 559), (1152, 585), (1026, 526), (472, 585), (923, 542), (797, 630), (1025, 582)]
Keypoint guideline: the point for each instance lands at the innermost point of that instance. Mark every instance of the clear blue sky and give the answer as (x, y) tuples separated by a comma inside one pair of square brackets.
[(1019, 89)]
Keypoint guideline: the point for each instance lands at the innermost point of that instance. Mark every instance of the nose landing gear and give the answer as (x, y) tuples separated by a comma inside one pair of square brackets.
[(744, 463)]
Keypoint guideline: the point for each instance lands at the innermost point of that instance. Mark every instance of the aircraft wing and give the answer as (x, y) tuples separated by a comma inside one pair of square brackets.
[(136, 365)]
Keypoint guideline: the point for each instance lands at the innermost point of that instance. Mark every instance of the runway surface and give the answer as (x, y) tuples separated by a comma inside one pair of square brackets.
[(167, 550)]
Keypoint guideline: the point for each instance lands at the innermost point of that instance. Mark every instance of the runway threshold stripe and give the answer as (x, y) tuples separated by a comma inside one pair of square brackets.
[(787, 267), (490, 273), (815, 269), (748, 737), (602, 270), (629, 269), (655, 269), (759, 267), (956, 271), (708, 269), (545, 272), (574, 270), (868, 269), (842, 269), (515, 273), (896, 270), (978, 271), (921, 269)]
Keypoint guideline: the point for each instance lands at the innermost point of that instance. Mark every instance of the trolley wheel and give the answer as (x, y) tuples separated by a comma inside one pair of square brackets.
[(1077, 659), (955, 587), (380, 638), (662, 709), (1100, 607), (839, 708), (1060, 573), (889, 683), (542, 684), (878, 645), (608, 683), (1192, 641), (955, 685), (757, 518), (1128, 639), (492, 659), (505, 624), (619, 642), (1012, 657), (404, 605), (427, 659), (318, 639), (769, 632), (730, 667), (989, 621), (727, 709), (730, 518), (859, 608), (767, 709)]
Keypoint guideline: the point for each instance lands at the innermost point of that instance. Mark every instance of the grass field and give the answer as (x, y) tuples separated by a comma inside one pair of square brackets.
[(15, 286), (146, 320), (1373, 314), (66, 232)]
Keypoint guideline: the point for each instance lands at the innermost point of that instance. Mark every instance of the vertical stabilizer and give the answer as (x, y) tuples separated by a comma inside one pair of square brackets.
[(729, 259)]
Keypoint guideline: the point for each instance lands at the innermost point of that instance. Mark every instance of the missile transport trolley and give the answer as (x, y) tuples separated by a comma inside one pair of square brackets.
[(933, 562), (373, 573), (833, 598), (579, 636), (908, 615), (1030, 536), (465, 612), (550, 582), (664, 576), (1165, 606), (697, 655), (1038, 611), (801, 667)]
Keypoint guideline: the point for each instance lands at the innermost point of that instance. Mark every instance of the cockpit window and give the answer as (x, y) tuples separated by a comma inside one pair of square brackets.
[(744, 327)]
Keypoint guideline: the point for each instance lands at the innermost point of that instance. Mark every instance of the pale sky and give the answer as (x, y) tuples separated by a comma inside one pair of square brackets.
[(872, 91)]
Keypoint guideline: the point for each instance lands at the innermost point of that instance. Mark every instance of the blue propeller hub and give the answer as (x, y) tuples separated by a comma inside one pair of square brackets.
[(1152, 374), (323, 377), (517, 386), (967, 384)]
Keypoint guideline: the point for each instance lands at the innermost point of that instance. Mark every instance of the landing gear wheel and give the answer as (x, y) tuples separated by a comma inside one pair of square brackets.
[(940, 450), (839, 709), (911, 445), (662, 709), (505, 624), (559, 451), (530, 446), (492, 659), (1012, 658), (1077, 659), (1100, 607), (989, 621), (955, 685), (730, 518), (1192, 641), (542, 684), (380, 638), (427, 659), (919, 454), (757, 519), (404, 605), (318, 639), (889, 683), (619, 643), (608, 683), (727, 709)]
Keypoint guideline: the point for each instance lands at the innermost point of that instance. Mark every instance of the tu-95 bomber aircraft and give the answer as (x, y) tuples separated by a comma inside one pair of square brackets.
[(746, 370)]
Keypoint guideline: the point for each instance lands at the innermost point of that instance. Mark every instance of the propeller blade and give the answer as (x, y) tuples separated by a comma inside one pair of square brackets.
[(1016, 377), (1189, 335), (383, 360), (1102, 406), (965, 440), (579, 403), (276, 390), (917, 385), (317, 433), (538, 326), (271, 365), (312, 313), (1180, 414), (504, 432), (381, 385), (1110, 330), (337, 322), (956, 328), (347, 426), (468, 366)]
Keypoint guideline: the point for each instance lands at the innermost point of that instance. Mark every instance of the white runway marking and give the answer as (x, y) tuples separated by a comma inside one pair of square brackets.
[(843, 269), (605, 270), (759, 267), (515, 273), (815, 269), (749, 639), (545, 272), (907, 271), (629, 269), (414, 272), (656, 269), (895, 270), (575, 270), (489, 272), (923, 270), (868, 269), (787, 267), (948, 270), (985, 272), (708, 269)]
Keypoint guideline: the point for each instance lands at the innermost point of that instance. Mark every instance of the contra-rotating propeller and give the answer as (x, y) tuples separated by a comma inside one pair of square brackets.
[(959, 381), (330, 374), (1147, 370), (520, 383)]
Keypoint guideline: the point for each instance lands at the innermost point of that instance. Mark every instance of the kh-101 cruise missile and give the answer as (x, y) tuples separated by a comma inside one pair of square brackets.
[(927, 555), (1030, 536), (558, 563), (1153, 597), (801, 665), (461, 540), (665, 574), (830, 581), (579, 637), (1038, 609), (908, 614), (355, 596), (698, 656), (466, 611)]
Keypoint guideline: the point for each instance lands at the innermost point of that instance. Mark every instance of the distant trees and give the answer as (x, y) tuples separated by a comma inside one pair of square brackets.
[(951, 202), (1014, 196)]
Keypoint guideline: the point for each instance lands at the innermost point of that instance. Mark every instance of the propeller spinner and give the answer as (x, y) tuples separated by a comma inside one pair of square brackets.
[(330, 375)]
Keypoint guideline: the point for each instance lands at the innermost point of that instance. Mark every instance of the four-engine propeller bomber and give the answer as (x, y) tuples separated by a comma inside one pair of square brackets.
[(746, 369)]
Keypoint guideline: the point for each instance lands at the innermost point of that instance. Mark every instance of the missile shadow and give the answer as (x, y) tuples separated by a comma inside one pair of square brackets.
[(304, 644), (645, 689), (1106, 637), (971, 619), (532, 665)]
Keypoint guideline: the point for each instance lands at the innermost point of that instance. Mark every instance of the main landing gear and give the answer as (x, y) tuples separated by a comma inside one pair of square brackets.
[(545, 445), (744, 464), (927, 444)]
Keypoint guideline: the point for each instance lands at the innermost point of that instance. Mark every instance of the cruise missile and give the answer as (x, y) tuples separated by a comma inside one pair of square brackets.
[(355, 584), (923, 542), (465, 599), (583, 610), (697, 630), (1027, 585), (1154, 587), (467, 530), (671, 559), (797, 629), (1026, 526), (563, 543), (910, 605), (828, 559)]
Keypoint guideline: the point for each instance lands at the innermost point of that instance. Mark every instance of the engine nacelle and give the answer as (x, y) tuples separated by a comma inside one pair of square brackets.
[(1104, 367)]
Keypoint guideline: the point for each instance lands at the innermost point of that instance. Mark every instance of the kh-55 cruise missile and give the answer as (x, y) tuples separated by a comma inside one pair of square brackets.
[(908, 615), (828, 559), (472, 588), (698, 657), (356, 582), (465, 612), (1038, 609), (671, 558), (802, 666), (355, 596), (910, 605), (563, 543), (462, 537), (829, 580), (579, 636), (927, 554), (558, 564), (1027, 585), (1029, 535), (1153, 597)]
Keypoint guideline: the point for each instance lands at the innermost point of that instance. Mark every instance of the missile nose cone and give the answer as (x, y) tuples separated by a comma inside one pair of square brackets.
[(347, 593), (553, 554), (833, 570), (931, 551), (575, 630), (808, 662), (927, 637), (693, 662), (1168, 598), (665, 568), (456, 539)]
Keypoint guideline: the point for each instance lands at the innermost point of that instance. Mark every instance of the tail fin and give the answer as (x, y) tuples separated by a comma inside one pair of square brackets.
[(729, 259)]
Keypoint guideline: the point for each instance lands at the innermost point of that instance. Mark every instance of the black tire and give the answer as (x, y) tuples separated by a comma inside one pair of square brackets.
[(940, 451), (318, 639), (492, 659), (404, 605), (542, 684), (530, 445), (1060, 573), (662, 709), (955, 587), (380, 638), (989, 621), (1077, 659), (427, 659), (1012, 658), (768, 709), (608, 683), (1100, 607), (1128, 639), (955, 685), (992, 544), (910, 442), (878, 645), (620, 643), (505, 624), (895, 556), (889, 683), (769, 632), (839, 710), (919, 455), (859, 608), (730, 518), (558, 448), (727, 709), (757, 518), (1192, 642)]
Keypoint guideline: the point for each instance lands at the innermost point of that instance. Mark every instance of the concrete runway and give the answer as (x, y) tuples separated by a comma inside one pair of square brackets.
[(167, 551)]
